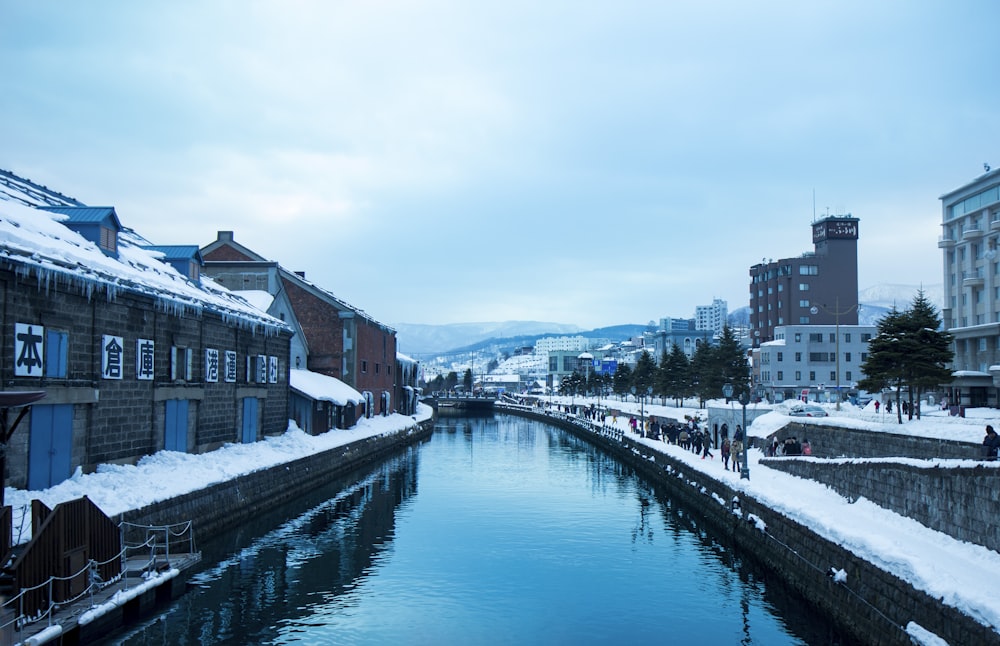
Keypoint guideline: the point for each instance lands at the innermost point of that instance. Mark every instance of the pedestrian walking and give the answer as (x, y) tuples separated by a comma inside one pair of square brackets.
[(726, 450), (876, 406)]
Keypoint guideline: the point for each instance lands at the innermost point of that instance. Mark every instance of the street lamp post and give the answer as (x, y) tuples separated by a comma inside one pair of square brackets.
[(836, 321), (744, 399)]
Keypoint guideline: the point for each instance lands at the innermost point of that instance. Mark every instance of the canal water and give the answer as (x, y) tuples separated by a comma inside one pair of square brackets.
[(496, 530)]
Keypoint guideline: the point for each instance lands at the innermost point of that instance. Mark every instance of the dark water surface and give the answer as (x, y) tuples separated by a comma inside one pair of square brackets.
[(497, 530)]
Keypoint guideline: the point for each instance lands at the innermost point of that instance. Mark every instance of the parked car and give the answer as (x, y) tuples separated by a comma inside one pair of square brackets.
[(807, 410)]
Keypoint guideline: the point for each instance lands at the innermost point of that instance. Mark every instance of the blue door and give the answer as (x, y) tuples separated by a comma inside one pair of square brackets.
[(175, 426), (50, 445), (249, 420)]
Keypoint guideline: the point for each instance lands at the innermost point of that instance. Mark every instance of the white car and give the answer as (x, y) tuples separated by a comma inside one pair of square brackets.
[(807, 410)]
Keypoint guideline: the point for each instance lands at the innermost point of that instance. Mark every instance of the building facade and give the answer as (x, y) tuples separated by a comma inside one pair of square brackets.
[(817, 288), (331, 337), (970, 230), (813, 362), (133, 356), (712, 317)]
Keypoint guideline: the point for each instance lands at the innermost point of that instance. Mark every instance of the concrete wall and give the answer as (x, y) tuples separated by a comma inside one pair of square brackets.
[(231, 503), (872, 606), (959, 501), (831, 442)]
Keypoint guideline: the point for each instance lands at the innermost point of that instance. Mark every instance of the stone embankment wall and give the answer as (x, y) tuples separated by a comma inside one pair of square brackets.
[(871, 605), (228, 504), (959, 501), (836, 442)]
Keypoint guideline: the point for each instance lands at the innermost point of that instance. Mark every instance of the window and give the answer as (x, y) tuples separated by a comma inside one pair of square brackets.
[(812, 375), (376, 368), (181, 363), (848, 375), (56, 353), (803, 287), (804, 302), (781, 376), (833, 337), (833, 375), (109, 239), (866, 337), (816, 337), (847, 357), (819, 357), (798, 356), (847, 337), (780, 356), (798, 375), (781, 287), (982, 344), (803, 320), (364, 366), (864, 357), (798, 337)]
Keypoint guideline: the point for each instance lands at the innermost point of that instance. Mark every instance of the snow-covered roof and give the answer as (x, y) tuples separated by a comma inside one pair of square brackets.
[(257, 297), (970, 373), (323, 388), (41, 246)]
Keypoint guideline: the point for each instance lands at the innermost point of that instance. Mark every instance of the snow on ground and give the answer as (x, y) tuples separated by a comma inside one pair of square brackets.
[(961, 574), (167, 474)]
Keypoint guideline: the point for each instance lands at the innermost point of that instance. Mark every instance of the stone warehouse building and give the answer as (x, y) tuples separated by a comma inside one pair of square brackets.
[(331, 337), (134, 355)]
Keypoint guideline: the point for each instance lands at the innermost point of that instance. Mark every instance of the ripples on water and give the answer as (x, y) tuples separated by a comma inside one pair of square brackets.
[(498, 530)]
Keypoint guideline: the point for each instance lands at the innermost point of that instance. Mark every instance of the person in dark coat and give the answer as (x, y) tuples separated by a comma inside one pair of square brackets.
[(991, 444)]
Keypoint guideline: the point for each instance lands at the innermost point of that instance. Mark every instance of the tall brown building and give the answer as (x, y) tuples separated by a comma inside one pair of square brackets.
[(819, 287)]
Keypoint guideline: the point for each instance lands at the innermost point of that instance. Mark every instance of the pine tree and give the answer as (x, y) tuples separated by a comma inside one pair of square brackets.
[(622, 380), (674, 377), (909, 350), (644, 375), (732, 365)]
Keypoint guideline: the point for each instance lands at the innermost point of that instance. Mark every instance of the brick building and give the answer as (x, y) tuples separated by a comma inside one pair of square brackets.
[(133, 355), (331, 337)]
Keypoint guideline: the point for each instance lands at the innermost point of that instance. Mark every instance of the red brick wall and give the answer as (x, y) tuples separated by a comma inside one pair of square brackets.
[(377, 346), (226, 253), (323, 329)]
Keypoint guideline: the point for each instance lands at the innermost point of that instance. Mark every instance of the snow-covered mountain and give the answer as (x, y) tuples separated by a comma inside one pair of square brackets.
[(420, 340)]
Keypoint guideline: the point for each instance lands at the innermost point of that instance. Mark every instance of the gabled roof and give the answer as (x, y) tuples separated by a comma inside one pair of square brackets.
[(86, 214), (178, 252), (39, 243)]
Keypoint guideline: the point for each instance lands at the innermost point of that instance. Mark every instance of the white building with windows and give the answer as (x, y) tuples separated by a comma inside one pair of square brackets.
[(970, 231), (810, 361), (561, 344), (712, 317)]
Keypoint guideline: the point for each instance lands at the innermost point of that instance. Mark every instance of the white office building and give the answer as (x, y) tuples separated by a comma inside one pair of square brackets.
[(970, 231), (811, 362), (712, 317)]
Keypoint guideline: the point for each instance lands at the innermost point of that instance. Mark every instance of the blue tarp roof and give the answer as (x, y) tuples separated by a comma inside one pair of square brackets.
[(177, 252)]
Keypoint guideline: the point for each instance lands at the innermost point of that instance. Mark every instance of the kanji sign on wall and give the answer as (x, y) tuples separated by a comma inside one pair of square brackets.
[(29, 348), (112, 352), (144, 359), (211, 365)]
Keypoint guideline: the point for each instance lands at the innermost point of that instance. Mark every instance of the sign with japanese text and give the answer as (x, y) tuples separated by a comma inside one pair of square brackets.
[(230, 368), (261, 369), (272, 370), (29, 348), (211, 365), (112, 353), (144, 359)]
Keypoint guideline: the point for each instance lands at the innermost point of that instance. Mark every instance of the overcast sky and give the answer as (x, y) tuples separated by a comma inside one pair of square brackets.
[(440, 162)]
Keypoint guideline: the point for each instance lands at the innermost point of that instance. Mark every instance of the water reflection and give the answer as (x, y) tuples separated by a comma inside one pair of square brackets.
[(497, 530)]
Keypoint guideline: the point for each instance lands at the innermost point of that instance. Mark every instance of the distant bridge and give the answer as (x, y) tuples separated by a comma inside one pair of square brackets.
[(460, 402)]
